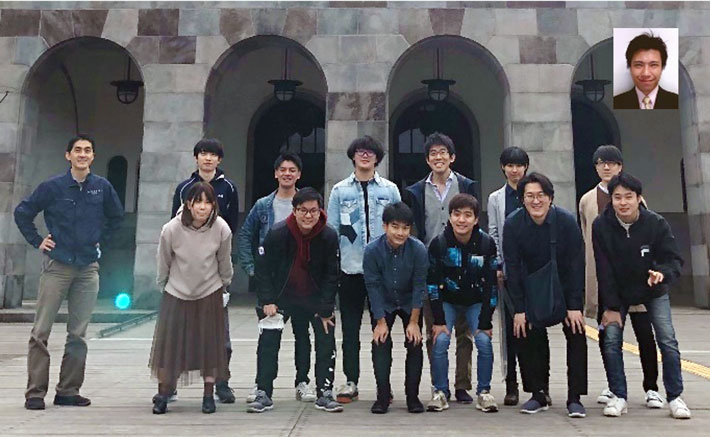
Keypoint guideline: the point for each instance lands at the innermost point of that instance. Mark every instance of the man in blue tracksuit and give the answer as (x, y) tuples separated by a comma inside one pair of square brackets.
[(80, 211), (208, 154)]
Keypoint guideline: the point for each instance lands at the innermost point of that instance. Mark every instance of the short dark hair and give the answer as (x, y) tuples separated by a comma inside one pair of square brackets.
[(209, 145), (646, 41), (538, 178), (439, 139), (514, 155), (366, 143), (463, 200), (288, 156), (398, 212), (80, 137), (195, 193), (306, 195), (608, 153), (627, 181)]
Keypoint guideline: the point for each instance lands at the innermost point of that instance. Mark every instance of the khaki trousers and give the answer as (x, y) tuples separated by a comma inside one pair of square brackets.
[(80, 287), (464, 346)]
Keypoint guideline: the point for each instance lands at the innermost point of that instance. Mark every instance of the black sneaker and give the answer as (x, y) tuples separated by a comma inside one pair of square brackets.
[(512, 396), (224, 393), (414, 405), (462, 397), (160, 404), (208, 406), (380, 406), (72, 401), (34, 404)]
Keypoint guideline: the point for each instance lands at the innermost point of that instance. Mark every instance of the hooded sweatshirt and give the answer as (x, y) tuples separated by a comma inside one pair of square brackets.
[(193, 263)]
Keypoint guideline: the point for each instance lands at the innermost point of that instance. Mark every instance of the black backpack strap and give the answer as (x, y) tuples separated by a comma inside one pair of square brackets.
[(553, 233)]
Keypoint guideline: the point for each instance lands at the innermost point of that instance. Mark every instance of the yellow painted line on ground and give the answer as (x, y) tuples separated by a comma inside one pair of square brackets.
[(685, 365)]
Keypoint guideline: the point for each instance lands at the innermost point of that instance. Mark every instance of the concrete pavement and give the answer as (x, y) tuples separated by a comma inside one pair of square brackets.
[(119, 384)]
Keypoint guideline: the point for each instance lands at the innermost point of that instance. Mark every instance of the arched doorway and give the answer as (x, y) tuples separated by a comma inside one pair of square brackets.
[(239, 99), (475, 113), (68, 90), (297, 126), (592, 125), (652, 146), (418, 120)]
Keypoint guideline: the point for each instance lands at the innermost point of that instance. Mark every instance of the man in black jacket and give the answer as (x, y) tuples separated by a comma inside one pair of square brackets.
[(429, 201), (296, 272), (637, 259), (527, 250), (646, 58)]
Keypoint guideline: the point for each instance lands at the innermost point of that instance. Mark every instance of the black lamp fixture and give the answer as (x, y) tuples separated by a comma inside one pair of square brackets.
[(127, 90), (593, 88), (285, 88), (438, 89)]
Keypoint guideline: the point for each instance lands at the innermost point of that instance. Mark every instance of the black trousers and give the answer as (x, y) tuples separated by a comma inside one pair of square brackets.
[(535, 364), (353, 295), (641, 323), (512, 347), (227, 345), (382, 359), (267, 352)]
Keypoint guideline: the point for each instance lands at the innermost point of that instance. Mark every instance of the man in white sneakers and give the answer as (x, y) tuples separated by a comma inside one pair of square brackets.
[(637, 259)]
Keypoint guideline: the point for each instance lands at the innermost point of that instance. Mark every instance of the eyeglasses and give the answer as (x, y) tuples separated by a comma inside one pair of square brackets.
[(304, 211), (435, 153), (529, 197), (364, 153), (606, 163)]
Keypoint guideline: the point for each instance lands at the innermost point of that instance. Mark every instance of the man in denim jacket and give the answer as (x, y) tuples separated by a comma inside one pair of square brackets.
[(266, 212), (81, 210), (355, 210)]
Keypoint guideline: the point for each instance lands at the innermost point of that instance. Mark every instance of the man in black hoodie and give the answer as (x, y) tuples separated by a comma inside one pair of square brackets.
[(296, 273), (637, 259)]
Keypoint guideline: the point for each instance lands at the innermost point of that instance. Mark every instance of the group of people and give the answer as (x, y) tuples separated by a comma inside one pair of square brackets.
[(420, 256)]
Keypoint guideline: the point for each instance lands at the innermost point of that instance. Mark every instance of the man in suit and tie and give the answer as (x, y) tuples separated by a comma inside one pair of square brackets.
[(646, 58)]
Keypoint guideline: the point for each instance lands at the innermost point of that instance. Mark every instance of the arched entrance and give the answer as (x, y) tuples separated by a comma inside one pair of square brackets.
[(297, 126), (418, 120), (67, 91), (475, 113), (239, 99), (652, 146)]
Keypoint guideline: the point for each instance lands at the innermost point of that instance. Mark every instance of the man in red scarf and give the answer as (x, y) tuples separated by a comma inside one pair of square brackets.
[(296, 272)]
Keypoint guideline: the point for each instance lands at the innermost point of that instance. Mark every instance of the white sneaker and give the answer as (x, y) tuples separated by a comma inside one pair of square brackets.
[(615, 407), (486, 402), (251, 397), (304, 393), (605, 396), (654, 400), (347, 393), (438, 402), (678, 409)]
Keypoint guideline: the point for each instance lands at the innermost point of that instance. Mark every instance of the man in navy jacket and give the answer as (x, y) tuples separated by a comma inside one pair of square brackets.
[(80, 211)]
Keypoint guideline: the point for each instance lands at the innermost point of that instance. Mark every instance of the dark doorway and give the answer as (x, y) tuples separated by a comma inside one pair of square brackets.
[(416, 122), (117, 174), (297, 126), (591, 128)]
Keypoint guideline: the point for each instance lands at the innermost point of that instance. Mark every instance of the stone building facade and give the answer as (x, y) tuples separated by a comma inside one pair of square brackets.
[(527, 52)]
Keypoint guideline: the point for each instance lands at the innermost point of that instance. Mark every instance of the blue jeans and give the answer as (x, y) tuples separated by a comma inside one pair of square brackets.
[(440, 353), (659, 310)]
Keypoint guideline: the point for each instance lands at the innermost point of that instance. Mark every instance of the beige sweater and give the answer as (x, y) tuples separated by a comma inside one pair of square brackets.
[(193, 263)]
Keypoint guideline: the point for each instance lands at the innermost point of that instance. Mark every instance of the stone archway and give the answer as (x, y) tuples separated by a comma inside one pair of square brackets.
[(481, 92), (67, 91)]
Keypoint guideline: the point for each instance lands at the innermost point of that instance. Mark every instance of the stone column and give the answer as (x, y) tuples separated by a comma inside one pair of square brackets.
[(167, 44)]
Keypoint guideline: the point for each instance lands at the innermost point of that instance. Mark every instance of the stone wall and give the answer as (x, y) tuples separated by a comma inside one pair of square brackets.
[(535, 44)]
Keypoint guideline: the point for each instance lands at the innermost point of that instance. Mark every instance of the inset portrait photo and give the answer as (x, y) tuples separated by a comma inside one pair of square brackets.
[(645, 68)]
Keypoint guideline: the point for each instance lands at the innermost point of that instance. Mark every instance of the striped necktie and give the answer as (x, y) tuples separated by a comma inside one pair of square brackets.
[(647, 103)]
